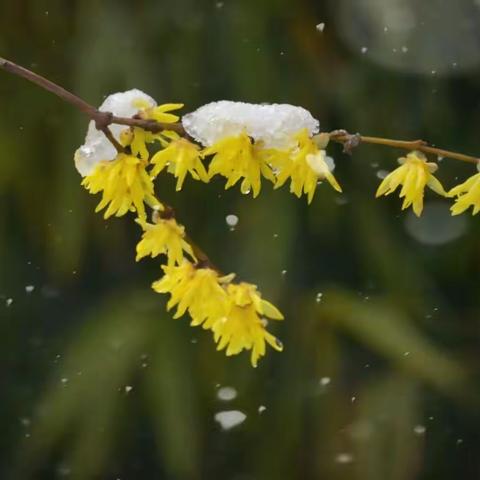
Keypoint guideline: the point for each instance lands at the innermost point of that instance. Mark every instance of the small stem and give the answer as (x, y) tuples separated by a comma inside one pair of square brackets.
[(202, 258), (149, 125), (108, 133), (420, 145), (200, 255)]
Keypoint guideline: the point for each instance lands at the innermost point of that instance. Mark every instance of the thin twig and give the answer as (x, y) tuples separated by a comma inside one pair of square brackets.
[(420, 145), (108, 133), (102, 119), (42, 82)]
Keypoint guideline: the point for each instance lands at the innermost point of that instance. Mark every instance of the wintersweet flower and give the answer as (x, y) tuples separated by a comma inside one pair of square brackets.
[(305, 165), (138, 138), (237, 158), (180, 157), (194, 289), (161, 113), (125, 185), (243, 326), (413, 175), (468, 195), (165, 237)]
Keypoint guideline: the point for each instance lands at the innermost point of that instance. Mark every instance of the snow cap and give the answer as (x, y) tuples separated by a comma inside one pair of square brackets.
[(273, 124), (97, 147)]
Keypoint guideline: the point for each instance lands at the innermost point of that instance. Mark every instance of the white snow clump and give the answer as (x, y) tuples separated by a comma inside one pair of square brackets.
[(97, 147), (273, 124)]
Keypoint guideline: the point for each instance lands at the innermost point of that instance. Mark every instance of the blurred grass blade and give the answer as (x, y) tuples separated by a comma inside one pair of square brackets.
[(171, 396), (392, 334)]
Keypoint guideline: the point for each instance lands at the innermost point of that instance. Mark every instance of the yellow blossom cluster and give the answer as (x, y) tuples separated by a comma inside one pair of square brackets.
[(127, 181), (415, 173), (303, 163), (234, 312)]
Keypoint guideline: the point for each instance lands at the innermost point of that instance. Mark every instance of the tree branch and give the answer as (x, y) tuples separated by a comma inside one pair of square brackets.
[(350, 141)]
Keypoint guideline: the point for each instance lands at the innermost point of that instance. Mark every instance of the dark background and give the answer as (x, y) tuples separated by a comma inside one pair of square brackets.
[(98, 382)]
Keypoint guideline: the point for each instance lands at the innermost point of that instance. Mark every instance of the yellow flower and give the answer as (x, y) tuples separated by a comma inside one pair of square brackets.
[(193, 289), (468, 195), (181, 156), (236, 158), (164, 237), (234, 312), (160, 113), (125, 185), (137, 139), (243, 328), (414, 174), (304, 165)]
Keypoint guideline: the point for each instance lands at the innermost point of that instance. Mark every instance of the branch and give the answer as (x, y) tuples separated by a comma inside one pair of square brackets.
[(350, 141), (101, 119)]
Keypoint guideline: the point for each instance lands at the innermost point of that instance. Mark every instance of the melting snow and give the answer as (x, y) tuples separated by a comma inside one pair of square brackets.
[(226, 394), (97, 147), (230, 418), (274, 124)]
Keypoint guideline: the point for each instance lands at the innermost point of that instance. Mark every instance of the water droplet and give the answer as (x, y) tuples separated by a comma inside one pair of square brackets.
[(8, 302), (318, 297), (29, 288), (381, 174), (364, 50), (128, 388), (226, 394), (320, 27), (232, 220), (344, 458), (25, 421), (324, 381), (261, 408), (436, 226), (404, 49), (230, 418), (419, 429)]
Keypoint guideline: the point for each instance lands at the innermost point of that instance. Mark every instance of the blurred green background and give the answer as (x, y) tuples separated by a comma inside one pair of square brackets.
[(379, 376)]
